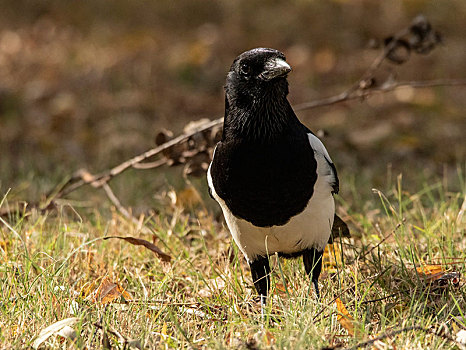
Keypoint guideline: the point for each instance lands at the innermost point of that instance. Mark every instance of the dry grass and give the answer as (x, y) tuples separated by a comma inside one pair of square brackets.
[(53, 265)]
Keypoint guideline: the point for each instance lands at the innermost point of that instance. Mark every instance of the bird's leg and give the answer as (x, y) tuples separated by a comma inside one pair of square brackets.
[(312, 259), (260, 271)]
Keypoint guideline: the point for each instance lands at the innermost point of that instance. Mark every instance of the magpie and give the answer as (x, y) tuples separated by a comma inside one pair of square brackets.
[(272, 177)]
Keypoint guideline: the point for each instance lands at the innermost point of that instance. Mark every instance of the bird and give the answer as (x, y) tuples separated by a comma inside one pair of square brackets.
[(272, 177)]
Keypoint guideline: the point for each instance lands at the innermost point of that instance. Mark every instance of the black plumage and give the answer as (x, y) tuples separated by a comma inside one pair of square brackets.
[(270, 174)]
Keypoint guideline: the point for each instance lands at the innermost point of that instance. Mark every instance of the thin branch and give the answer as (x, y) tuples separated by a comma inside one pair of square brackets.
[(150, 165), (375, 65), (99, 180), (387, 87), (116, 202)]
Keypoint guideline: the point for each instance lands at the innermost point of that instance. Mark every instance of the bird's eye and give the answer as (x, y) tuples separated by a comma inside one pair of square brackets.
[(245, 69)]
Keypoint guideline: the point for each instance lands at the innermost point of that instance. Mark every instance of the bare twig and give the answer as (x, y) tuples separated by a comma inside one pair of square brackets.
[(383, 298), (387, 87), (99, 180), (150, 165), (116, 202)]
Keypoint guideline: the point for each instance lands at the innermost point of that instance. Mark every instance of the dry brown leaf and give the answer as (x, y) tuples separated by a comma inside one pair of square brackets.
[(109, 291), (435, 273), (344, 318), (138, 241)]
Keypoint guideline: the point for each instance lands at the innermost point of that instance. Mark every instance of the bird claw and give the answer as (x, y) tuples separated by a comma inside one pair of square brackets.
[(263, 302), (316, 287)]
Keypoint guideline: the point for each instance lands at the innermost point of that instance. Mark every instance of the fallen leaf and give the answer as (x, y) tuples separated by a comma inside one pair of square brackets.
[(109, 291), (344, 318), (435, 273), (430, 270), (138, 241), (68, 333), (54, 328)]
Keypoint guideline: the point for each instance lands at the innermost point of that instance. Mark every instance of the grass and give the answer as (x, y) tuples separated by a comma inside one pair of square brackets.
[(53, 264)]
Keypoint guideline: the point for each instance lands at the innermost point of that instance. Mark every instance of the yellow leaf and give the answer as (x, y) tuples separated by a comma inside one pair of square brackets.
[(344, 318), (164, 329), (332, 257), (430, 269), (431, 272)]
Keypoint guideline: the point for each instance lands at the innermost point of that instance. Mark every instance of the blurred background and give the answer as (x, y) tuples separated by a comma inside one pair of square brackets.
[(90, 83)]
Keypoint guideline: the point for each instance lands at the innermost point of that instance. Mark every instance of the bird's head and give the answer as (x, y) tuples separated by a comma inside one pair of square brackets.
[(255, 74)]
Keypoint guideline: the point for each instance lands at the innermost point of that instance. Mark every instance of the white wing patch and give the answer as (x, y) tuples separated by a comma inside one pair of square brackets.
[(325, 168), (318, 146)]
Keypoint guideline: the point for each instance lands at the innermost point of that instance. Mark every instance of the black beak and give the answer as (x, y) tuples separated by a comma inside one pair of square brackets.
[(274, 68)]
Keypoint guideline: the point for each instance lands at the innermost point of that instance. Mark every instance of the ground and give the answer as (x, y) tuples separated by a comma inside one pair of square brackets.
[(89, 86)]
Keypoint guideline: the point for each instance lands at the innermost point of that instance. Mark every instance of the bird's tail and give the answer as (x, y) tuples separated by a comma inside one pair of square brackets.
[(339, 229)]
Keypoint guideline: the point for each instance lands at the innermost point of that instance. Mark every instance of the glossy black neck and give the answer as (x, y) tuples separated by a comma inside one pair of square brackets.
[(259, 118)]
